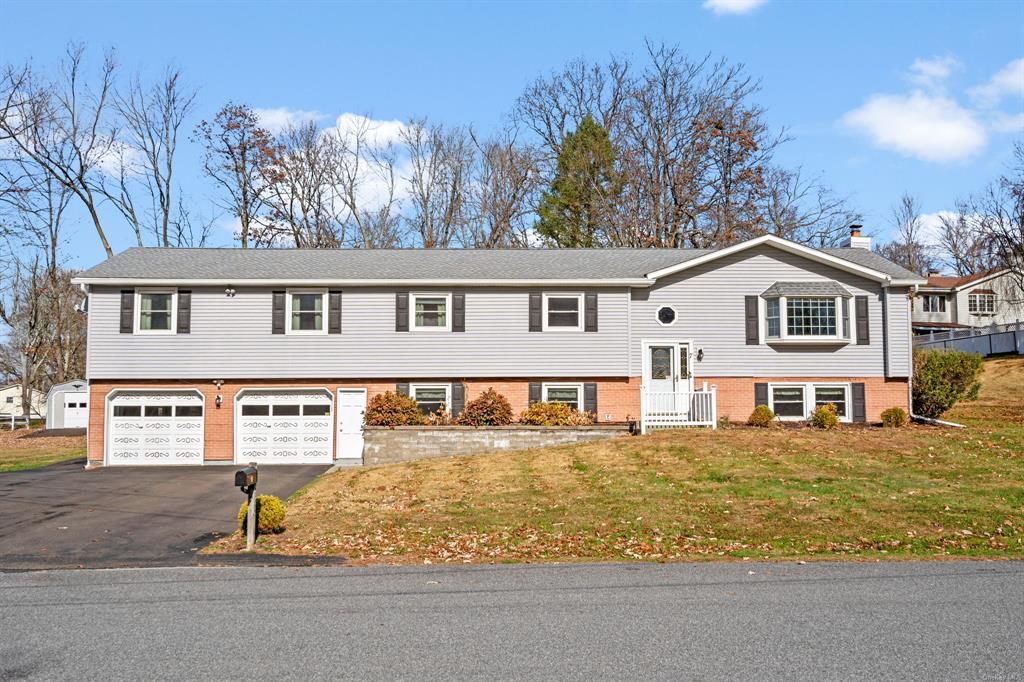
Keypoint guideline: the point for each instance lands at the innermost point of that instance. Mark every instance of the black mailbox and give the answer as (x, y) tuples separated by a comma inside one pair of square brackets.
[(246, 478)]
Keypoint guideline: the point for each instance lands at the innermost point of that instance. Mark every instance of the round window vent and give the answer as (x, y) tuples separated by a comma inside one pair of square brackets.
[(666, 315)]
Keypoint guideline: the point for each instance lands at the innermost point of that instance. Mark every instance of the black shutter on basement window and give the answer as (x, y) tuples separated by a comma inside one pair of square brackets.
[(750, 316), (184, 312), (334, 312), (590, 398), (277, 315), (458, 398), (127, 311), (535, 312), (859, 411), (760, 394), (402, 388), (534, 392), (402, 311), (590, 312), (458, 313), (863, 328)]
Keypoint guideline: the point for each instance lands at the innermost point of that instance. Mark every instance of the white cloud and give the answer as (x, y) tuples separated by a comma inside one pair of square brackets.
[(1008, 123), (277, 119), (376, 133), (927, 127), (1008, 81), (110, 157), (733, 6), (931, 74), (931, 226)]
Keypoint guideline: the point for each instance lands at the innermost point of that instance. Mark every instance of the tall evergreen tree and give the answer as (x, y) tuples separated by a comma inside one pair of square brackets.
[(578, 207)]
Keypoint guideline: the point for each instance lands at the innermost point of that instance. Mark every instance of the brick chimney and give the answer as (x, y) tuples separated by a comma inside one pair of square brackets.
[(855, 241)]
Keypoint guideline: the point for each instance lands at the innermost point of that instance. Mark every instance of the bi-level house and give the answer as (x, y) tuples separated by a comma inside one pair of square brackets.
[(205, 355), (946, 303)]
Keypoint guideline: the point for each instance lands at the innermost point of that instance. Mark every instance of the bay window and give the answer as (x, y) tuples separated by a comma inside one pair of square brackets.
[(807, 319)]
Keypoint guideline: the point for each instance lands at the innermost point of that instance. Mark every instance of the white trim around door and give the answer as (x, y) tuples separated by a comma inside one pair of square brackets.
[(351, 417), (682, 357)]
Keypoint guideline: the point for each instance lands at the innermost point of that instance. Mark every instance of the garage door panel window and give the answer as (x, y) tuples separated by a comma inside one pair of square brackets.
[(159, 411), (251, 410), (188, 411), (127, 410), (316, 410), (287, 410)]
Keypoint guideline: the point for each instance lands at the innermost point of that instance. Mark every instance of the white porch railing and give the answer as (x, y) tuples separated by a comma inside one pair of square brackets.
[(675, 409)]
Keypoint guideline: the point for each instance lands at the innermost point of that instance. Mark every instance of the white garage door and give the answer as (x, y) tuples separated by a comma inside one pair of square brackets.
[(155, 427), (284, 427)]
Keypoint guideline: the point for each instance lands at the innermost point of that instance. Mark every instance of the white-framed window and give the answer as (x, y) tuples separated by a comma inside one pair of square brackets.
[(796, 401), (809, 319), (156, 311), (306, 311), (563, 311), (666, 315), (430, 312), (431, 397), (570, 394), (981, 304), (933, 303)]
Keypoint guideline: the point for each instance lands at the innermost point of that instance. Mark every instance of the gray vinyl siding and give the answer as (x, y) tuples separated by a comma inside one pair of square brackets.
[(709, 304), (898, 338), (231, 338)]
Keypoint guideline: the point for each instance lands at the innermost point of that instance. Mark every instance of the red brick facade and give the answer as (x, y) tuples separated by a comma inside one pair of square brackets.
[(618, 399)]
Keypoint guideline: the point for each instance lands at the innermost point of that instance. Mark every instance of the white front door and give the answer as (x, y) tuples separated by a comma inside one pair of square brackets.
[(667, 376), (351, 410), (661, 367), (76, 410)]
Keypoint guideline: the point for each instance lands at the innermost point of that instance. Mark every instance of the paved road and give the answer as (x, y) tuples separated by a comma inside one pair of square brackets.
[(65, 516), (926, 621)]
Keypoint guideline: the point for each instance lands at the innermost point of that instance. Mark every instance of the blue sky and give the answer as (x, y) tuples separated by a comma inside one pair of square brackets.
[(926, 97)]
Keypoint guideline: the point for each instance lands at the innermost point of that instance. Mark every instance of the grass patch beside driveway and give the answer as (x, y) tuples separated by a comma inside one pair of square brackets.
[(681, 495), (19, 452)]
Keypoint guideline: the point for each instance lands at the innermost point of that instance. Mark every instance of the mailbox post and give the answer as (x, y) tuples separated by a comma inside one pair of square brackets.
[(246, 480)]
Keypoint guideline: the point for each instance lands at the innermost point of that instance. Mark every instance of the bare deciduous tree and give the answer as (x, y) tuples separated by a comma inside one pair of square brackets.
[(505, 182), (804, 210), (368, 187), (440, 160), (151, 119), (908, 248)]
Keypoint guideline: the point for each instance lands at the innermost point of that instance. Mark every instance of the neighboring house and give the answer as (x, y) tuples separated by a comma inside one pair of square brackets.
[(944, 303), (10, 402), (270, 355)]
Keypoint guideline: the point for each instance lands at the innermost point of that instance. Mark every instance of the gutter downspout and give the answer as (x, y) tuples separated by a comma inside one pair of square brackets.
[(910, 381)]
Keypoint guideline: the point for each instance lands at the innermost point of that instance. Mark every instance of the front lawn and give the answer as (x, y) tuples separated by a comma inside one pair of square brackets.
[(19, 451), (683, 495)]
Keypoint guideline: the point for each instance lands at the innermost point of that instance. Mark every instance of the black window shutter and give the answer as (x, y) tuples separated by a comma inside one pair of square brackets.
[(402, 388), (863, 328), (184, 312), (534, 392), (458, 398), (402, 311), (590, 398), (458, 313), (127, 311), (859, 411), (590, 312), (334, 312), (750, 310), (277, 317), (760, 394), (535, 312)]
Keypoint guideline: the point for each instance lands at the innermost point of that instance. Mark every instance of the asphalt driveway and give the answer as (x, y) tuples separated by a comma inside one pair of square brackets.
[(62, 516)]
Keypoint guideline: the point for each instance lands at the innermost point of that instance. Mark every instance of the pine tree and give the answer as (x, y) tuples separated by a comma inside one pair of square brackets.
[(580, 203)]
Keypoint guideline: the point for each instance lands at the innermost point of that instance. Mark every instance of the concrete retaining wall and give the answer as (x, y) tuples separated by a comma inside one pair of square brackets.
[(385, 445)]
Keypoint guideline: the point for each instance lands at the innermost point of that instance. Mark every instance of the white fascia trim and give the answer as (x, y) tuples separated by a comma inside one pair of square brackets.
[(298, 281), (779, 243), (907, 283)]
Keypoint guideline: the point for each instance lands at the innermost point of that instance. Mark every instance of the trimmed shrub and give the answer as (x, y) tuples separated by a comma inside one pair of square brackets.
[(393, 409), (762, 417), (895, 417), (824, 417), (490, 408), (269, 514), (942, 378), (554, 414)]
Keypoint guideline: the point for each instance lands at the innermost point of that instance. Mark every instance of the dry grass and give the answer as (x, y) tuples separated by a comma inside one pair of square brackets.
[(739, 492), (18, 453)]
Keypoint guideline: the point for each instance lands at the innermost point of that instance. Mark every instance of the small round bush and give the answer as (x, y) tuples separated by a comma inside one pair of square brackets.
[(762, 416), (393, 409), (895, 417), (269, 514), (554, 414), (824, 417), (490, 408)]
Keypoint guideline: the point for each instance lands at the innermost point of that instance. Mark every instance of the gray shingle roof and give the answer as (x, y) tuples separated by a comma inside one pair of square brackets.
[(823, 288), (413, 264)]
